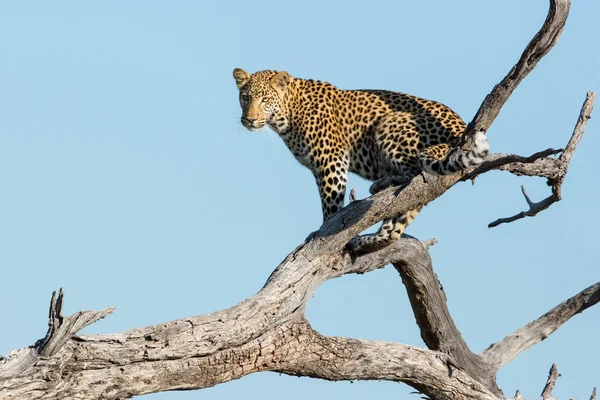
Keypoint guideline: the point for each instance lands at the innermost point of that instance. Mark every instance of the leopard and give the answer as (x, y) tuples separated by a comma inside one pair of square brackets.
[(383, 136)]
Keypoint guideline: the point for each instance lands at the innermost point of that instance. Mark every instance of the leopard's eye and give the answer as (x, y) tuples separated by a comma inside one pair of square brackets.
[(245, 97), (266, 99)]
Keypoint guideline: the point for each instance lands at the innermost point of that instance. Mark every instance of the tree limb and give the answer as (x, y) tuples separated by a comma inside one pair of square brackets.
[(538, 164), (534, 332), (433, 318), (552, 377), (560, 169), (539, 46), (265, 332), (349, 359)]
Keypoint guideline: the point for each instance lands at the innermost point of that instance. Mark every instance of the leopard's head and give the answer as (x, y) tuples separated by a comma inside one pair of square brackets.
[(261, 96)]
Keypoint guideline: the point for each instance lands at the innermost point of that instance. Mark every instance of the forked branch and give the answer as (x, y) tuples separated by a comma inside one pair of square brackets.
[(559, 170), (534, 208)]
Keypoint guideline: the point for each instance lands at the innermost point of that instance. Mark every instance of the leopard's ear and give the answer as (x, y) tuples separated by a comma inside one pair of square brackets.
[(241, 77), (280, 81)]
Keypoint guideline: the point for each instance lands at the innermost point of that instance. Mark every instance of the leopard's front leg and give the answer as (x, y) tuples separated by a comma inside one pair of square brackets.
[(332, 176)]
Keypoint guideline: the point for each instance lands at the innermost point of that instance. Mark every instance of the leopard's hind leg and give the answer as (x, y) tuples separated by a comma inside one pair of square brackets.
[(396, 139)]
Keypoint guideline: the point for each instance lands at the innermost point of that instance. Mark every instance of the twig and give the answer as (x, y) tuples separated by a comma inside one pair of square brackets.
[(552, 377), (534, 208), (429, 243)]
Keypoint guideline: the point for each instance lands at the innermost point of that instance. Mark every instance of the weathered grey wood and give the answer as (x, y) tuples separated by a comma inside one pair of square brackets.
[(539, 46), (268, 331), (539, 164), (552, 377), (560, 168), (437, 327), (265, 332), (61, 329), (506, 350)]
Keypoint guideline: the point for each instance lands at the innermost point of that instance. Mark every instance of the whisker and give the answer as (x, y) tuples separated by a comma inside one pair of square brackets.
[(233, 132)]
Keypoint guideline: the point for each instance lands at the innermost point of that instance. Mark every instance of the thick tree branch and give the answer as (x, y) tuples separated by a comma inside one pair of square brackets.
[(258, 334), (511, 346), (335, 358), (430, 308)]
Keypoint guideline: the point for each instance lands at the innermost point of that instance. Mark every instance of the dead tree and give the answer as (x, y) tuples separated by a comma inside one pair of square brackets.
[(269, 331)]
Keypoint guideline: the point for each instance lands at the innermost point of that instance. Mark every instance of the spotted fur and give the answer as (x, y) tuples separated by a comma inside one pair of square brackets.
[(383, 136)]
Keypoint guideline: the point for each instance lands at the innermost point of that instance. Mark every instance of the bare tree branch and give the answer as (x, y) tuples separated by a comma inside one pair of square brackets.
[(511, 346), (534, 208), (552, 377), (266, 332), (61, 329), (584, 115), (348, 359), (539, 46), (538, 164), (560, 169), (437, 327)]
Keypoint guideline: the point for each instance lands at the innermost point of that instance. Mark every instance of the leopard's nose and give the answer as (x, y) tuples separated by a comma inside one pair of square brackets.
[(250, 120)]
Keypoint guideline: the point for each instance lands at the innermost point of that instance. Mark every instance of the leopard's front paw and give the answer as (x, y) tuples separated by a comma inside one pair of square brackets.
[(386, 182)]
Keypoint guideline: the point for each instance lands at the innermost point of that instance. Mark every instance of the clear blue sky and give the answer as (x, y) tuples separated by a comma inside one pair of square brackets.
[(128, 180)]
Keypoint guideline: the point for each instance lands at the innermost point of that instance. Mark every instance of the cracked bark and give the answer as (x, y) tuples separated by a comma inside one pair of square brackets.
[(269, 332)]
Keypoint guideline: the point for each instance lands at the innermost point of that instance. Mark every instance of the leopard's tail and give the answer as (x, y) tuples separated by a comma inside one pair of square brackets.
[(456, 159)]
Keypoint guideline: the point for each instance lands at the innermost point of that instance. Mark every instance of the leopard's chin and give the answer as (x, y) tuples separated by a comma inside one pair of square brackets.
[(253, 126)]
